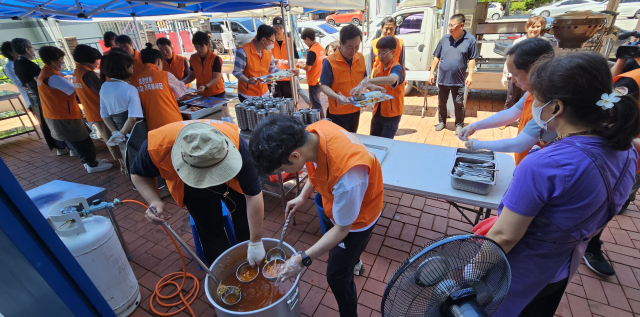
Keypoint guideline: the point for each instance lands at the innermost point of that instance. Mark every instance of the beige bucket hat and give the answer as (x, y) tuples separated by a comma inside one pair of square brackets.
[(204, 157)]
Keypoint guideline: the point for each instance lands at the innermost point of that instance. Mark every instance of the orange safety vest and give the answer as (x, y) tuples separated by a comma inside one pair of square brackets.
[(256, 66), (313, 75), (88, 97), (394, 107), (158, 103), (176, 67), (56, 104), (280, 52), (396, 54), (340, 151), (138, 66), (204, 73), (525, 117), (161, 142), (345, 78), (635, 75)]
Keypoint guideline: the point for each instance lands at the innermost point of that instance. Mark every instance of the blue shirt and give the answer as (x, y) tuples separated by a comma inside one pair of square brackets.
[(247, 177), (326, 75), (454, 57)]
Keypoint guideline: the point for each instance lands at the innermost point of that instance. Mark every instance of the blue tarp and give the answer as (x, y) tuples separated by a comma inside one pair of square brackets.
[(307, 10), (82, 9)]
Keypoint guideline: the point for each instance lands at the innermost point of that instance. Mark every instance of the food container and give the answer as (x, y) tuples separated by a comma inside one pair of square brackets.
[(465, 151), (287, 306), (252, 118), (272, 112), (203, 112), (477, 187), (305, 117), (268, 104), (313, 116), (259, 104), (241, 115), (282, 108), (290, 106), (248, 103), (261, 114), (298, 115)]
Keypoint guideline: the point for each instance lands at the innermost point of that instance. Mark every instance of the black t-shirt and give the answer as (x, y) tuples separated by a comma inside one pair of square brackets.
[(26, 70), (630, 65), (217, 64), (311, 58), (92, 80), (295, 49), (247, 177)]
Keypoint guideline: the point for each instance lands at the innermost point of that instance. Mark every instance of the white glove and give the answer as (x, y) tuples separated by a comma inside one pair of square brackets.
[(116, 138), (342, 99), (469, 144), (467, 131), (290, 269), (255, 253), (361, 86)]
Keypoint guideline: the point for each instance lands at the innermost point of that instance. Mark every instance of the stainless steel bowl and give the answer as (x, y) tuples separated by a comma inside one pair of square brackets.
[(243, 265)]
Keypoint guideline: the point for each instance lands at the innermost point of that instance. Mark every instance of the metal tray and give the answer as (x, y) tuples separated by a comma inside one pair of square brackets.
[(460, 150), (206, 102), (200, 113), (379, 151), (476, 187)]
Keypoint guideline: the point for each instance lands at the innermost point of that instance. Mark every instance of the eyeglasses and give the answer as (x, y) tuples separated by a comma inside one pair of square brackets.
[(270, 41), (383, 53), (453, 26)]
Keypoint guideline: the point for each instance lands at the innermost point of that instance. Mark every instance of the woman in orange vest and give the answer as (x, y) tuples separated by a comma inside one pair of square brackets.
[(348, 177), (206, 68), (87, 84), (280, 55), (388, 29), (520, 59), (172, 62), (61, 111), (313, 67), (158, 90), (204, 162), (390, 75), (124, 42), (341, 72)]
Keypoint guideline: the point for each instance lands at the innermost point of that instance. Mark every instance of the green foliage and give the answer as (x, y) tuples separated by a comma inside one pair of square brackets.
[(515, 6)]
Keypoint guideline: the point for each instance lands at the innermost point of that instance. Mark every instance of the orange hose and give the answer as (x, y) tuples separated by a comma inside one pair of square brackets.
[(169, 280)]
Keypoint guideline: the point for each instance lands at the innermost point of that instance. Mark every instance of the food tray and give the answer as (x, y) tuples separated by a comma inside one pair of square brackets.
[(198, 114), (206, 102), (372, 97), (379, 151), (280, 75), (477, 152), (476, 187)]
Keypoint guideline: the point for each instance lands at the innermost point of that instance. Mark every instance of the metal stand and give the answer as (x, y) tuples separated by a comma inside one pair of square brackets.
[(479, 213), (116, 227), (9, 95)]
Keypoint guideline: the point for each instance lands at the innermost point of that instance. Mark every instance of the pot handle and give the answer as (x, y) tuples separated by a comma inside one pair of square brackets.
[(293, 299)]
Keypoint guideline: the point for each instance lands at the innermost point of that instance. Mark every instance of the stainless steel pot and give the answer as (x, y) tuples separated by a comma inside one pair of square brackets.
[(287, 306)]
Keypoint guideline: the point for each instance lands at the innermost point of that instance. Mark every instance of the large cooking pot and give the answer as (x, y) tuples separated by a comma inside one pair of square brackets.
[(287, 306), (574, 28)]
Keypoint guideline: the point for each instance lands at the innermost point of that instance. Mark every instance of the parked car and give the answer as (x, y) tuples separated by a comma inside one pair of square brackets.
[(344, 16), (561, 7), (242, 29), (627, 8), (495, 11), (325, 33)]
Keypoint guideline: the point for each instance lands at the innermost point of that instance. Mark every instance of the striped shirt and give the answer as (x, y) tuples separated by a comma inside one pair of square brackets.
[(241, 63)]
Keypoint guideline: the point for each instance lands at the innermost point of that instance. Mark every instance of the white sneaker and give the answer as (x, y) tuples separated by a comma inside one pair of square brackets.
[(60, 152), (72, 153), (358, 270), (101, 167), (102, 161)]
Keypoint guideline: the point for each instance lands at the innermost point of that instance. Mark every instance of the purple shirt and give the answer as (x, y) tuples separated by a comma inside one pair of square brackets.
[(563, 183)]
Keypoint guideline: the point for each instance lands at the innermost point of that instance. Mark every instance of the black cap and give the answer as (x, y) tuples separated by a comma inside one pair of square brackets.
[(277, 22)]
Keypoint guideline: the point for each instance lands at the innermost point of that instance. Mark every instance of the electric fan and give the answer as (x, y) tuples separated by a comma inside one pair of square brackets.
[(454, 276)]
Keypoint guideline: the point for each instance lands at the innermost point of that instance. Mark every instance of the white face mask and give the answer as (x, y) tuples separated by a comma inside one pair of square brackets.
[(270, 47), (536, 112), (63, 66)]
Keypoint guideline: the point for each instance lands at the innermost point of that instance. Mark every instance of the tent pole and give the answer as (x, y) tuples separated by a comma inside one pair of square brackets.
[(135, 25), (144, 32), (175, 25), (71, 63), (290, 52), (255, 29)]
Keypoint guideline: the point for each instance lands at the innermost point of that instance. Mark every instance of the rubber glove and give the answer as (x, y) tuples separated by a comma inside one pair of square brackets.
[(467, 131), (342, 99), (360, 88), (483, 227), (255, 253), (116, 138), (290, 269), (469, 144)]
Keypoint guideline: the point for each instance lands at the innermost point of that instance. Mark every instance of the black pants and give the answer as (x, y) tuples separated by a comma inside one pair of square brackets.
[(85, 150), (205, 208), (241, 98), (340, 268), (383, 126), (348, 121), (513, 95), (283, 90), (314, 95), (458, 101), (546, 302), (595, 244)]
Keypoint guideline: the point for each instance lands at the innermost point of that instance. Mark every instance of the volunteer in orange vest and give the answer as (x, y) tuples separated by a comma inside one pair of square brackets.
[(342, 71), (349, 179), (388, 29), (61, 111), (313, 67), (172, 62), (206, 68), (520, 59), (87, 84), (390, 75), (158, 90), (124, 42), (279, 52), (204, 162)]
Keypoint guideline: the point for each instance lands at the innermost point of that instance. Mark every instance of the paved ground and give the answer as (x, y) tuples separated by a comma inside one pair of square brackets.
[(407, 223)]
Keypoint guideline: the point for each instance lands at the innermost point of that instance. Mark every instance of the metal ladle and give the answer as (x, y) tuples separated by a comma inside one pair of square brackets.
[(229, 289), (278, 252)]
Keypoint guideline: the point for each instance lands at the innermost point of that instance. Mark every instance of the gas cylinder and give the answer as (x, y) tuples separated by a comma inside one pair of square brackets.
[(93, 242)]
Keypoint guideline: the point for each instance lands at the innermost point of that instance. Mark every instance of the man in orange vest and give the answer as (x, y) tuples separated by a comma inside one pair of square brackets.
[(313, 67), (172, 62), (206, 68), (342, 71), (124, 42), (280, 55), (388, 29), (349, 178), (204, 162), (390, 75)]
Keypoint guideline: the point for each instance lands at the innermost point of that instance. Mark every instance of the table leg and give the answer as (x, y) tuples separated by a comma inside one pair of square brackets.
[(116, 227), (478, 215), (426, 94), (16, 110), (30, 120), (487, 213)]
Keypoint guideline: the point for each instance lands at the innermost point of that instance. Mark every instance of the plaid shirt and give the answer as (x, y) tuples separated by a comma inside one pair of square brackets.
[(241, 63)]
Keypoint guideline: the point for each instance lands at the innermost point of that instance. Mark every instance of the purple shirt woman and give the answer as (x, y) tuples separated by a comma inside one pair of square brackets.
[(561, 196)]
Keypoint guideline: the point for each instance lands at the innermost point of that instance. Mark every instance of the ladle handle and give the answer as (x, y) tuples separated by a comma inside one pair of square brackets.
[(284, 229), (186, 247)]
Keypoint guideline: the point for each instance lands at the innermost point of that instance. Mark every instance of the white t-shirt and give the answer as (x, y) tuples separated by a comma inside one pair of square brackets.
[(117, 96)]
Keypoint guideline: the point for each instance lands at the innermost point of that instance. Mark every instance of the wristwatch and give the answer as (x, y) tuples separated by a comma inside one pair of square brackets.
[(205, 87), (306, 260)]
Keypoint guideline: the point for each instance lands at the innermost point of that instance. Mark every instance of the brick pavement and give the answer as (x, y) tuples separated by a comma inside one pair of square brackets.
[(407, 223)]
